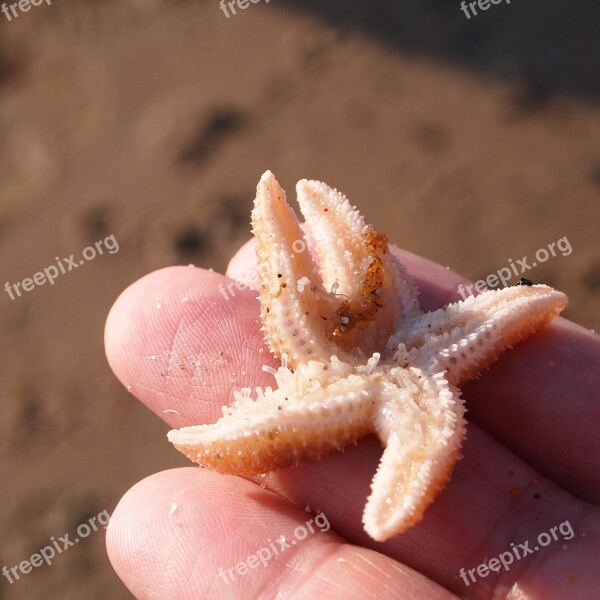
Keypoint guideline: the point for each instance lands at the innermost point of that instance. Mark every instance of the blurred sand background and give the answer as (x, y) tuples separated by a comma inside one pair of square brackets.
[(467, 141)]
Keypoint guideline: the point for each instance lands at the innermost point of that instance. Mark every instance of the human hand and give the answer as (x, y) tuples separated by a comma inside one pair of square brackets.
[(183, 534)]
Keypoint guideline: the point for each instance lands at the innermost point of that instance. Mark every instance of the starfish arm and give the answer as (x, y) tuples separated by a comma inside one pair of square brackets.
[(466, 337), (278, 430), (376, 291), (291, 311), (338, 232), (421, 424), (342, 237)]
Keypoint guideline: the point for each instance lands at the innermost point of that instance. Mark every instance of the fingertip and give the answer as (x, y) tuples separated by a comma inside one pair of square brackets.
[(242, 267), (159, 529), (180, 341), (140, 310), (189, 533)]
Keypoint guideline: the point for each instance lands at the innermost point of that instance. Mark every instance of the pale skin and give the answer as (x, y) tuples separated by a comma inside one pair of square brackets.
[(531, 462)]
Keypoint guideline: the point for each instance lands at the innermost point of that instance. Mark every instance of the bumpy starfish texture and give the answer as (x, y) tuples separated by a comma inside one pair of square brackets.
[(358, 356)]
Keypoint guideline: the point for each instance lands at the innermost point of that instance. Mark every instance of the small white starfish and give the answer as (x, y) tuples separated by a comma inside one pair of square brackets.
[(360, 358)]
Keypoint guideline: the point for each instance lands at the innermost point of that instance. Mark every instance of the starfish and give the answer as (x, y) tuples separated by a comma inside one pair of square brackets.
[(358, 356)]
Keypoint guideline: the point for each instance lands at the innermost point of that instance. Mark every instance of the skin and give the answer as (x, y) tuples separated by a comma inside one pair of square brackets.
[(531, 462)]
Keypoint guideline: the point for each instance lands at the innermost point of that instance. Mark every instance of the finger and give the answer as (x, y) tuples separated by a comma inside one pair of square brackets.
[(180, 347), (550, 417), (492, 504), (190, 533)]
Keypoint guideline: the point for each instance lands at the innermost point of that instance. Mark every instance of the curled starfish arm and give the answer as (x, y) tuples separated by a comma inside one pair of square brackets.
[(351, 303), (346, 245), (292, 298), (375, 291), (343, 251), (468, 336), (421, 425)]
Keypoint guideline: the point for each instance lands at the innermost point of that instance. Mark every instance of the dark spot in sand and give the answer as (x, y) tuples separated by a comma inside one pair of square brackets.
[(595, 175), (211, 133), (591, 279), (431, 137), (532, 97), (234, 211), (10, 63), (31, 413), (96, 222), (190, 241)]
